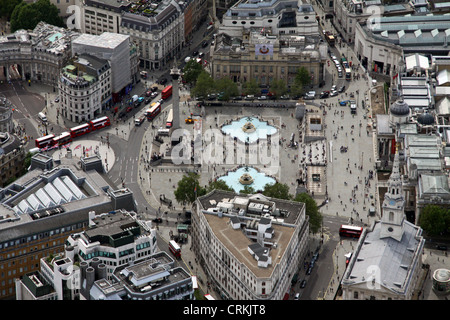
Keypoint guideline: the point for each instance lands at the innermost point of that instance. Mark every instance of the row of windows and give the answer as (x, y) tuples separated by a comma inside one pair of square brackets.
[(41, 235)]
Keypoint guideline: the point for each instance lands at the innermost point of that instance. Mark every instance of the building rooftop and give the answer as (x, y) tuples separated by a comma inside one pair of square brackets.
[(46, 199), (249, 215), (393, 258)]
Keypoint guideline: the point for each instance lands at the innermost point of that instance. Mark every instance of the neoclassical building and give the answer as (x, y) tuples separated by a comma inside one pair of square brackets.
[(84, 88), (36, 55), (265, 58)]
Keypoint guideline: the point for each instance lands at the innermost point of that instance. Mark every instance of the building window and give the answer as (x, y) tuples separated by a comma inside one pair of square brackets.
[(355, 295)]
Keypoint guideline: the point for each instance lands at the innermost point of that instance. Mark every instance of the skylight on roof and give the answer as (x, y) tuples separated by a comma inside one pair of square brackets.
[(434, 32)]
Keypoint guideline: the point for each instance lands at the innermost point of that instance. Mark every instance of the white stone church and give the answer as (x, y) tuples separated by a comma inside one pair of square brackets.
[(387, 261)]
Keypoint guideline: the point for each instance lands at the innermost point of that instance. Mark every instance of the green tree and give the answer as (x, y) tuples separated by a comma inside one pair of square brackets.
[(311, 210), (227, 88), (248, 190), (7, 7), (188, 189), (277, 190), (204, 85), (433, 220), (191, 71), (278, 87), (218, 185), (302, 77), (251, 87), (28, 15)]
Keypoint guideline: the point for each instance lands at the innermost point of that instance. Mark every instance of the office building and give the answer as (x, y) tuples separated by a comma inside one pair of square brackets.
[(250, 246), (42, 208)]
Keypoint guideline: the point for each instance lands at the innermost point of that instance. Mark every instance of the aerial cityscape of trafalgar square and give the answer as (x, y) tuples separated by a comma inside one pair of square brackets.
[(236, 150)]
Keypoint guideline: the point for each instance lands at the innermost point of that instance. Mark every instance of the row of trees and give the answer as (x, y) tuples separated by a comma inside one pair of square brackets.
[(189, 188), (26, 15), (203, 84)]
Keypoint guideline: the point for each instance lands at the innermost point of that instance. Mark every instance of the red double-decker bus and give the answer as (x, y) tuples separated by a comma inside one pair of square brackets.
[(175, 248), (152, 112), (80, 130), (99, 123), (166, 93), (350, 231), (62, 139), (44, 141)]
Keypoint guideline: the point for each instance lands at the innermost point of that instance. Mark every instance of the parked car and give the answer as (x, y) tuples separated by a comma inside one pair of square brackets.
[(297, 296), (201, 54), (333, 87), (333, 93), (195, 53), (157, 220), (441, 247), (204, 44), (343, 103), (341, 89)]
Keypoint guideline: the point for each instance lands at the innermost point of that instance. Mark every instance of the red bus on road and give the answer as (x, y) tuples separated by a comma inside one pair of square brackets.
[(350, 231), (175, 248), (44, 141), (152, 112), (99, 123), (80, 130), (62, 139), (166, 93)]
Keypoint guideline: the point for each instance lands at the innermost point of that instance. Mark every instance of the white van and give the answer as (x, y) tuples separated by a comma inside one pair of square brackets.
[(42, 117)]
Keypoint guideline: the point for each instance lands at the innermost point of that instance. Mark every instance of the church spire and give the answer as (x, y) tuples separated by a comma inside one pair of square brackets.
[(394, 204)]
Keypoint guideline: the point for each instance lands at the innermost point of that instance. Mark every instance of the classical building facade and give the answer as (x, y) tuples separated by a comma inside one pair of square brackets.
[(160, 29), (250, 246), (36, 55), (265, 58), (84, 88)]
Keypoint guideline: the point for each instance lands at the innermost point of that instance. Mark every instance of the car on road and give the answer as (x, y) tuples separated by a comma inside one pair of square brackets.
[(262, 98), (324, 94), (204, 44), (308, 272), (333, 93), (153, 94), (441, 247), (195, 53), (343, 103), (303, 284), (333, 87), (157, 220), (297, 296), (341, 89), (201, 54), (57, 99)]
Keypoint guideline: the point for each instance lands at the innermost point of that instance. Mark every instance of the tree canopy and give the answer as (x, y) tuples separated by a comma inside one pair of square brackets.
[(277, 190), (204, 85), (189, 189), (28, 15), (435, 220), (7, 7), (191, 71), (218, 184), (311, 210)]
